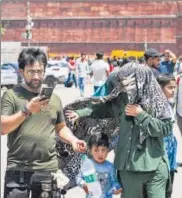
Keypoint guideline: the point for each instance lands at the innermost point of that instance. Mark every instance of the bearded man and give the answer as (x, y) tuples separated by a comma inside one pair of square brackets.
[(32, 125)]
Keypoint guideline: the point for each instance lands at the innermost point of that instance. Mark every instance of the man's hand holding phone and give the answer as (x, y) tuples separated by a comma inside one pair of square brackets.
[(35, 105), (46, 92)]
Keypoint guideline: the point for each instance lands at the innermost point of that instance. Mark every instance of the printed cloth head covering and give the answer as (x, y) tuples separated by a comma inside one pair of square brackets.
[(141, 87)]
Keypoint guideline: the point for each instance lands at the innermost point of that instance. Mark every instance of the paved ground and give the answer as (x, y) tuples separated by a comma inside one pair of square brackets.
[(69, 95)]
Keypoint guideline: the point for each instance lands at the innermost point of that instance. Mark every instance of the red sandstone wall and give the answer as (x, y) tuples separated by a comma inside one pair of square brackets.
[(179, 28), (82, 9), (135, 30), (179, 35), (124, 24)]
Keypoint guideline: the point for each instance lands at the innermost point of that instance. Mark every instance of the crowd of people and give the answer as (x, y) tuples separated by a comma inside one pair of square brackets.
[(133, 109), (163, 72), (99, 68)]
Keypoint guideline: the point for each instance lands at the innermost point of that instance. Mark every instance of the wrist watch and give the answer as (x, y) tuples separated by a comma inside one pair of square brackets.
[(25, 111)]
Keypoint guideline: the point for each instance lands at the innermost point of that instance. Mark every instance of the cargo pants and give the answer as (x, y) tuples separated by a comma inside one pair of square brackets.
[(20, 184)]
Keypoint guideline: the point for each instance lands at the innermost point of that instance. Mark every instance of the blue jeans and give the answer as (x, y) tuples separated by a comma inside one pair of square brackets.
[(81, 84), (95, 88), (100, 90), (71, 76)]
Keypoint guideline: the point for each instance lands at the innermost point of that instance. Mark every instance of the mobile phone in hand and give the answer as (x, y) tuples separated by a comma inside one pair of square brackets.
[(46, 92)]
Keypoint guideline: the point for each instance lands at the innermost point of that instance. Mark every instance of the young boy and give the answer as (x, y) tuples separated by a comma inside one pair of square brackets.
[(168, 85), (98, 147)]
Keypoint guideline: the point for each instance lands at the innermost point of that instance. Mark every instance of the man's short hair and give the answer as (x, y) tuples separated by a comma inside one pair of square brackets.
[(29, 56), (99, 55)]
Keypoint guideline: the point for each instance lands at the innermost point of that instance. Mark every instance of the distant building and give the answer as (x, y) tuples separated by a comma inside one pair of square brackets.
[(76, 26)]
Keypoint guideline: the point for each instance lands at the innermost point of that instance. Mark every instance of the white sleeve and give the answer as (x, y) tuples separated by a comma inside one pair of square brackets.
[(107, 67), (91, 67)]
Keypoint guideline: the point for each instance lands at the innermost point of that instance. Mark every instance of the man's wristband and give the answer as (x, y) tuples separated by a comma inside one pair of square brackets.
[(25, 111)]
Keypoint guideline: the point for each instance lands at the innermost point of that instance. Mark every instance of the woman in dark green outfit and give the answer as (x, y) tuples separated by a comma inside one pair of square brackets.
[(137, 111)]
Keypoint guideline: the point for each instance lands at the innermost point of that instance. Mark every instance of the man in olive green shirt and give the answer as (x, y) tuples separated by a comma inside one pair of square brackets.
[(32, 124), (140, 155)]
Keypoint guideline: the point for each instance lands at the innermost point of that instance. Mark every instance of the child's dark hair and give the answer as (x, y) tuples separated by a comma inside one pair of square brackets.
[(165, 79), (98, 139)]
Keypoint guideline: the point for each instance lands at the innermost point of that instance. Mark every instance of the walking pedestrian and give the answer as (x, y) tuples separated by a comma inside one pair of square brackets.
[(138, 111), (100, 71), (72, 73), (32, 124), (82, 71), (98, 145)]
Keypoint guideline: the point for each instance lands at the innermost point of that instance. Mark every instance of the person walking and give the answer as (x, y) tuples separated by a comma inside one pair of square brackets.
[(32, 124), (82, 71), (138, 111), (71, 73), (98, 149), (99, 70)]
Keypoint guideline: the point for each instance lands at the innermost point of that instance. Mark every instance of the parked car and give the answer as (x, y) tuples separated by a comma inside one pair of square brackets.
[(56, 73), (16, 67), (9, 77)]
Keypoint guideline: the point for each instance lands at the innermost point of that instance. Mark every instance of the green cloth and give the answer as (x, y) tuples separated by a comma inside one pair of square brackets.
[(138, 142), (145, 184), (32, 145), (128, 156)]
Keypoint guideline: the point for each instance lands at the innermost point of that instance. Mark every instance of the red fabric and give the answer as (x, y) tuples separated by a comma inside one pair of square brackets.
[(72, 64), (111, 67), (178, 79)]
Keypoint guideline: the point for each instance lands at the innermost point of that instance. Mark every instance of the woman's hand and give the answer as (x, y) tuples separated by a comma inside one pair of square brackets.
[(72, 115), (133, 110)]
